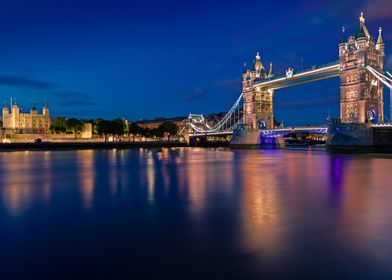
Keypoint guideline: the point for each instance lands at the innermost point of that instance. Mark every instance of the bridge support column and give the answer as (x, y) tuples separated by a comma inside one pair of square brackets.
[(269, 142), (264, 108), (258, 101), (361, 94)]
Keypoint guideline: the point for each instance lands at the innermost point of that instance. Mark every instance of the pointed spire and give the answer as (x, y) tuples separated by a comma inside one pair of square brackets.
[(270, 74), (380, 40), (257, 63), (245, 67), (344, 39), (363, 31), (361, 18)]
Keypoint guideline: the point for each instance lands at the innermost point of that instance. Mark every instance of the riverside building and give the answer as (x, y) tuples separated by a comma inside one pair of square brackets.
[(32, 122)]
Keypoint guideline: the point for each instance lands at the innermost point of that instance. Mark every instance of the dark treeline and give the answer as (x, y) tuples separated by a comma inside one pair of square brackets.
[(118, 127), (164, 129), (66, 125), (100, 126)]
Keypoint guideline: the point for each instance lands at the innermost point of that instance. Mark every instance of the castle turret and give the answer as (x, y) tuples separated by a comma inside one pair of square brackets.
[(15, 116), (6, 115), (45, 111), (6, 111), (34, 111)]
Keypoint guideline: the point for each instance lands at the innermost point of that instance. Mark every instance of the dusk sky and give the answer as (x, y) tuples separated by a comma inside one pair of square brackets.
[(147, 59)]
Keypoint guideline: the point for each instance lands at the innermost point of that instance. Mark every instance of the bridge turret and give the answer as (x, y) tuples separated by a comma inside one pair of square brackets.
[(343, 47), (270, 73), (259, 67), (380, 47), (258, 102), (248, 79), (361, 95)]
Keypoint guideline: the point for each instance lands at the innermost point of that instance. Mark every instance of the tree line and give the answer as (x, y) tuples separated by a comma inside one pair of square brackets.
[(118, 127), (164, 129)]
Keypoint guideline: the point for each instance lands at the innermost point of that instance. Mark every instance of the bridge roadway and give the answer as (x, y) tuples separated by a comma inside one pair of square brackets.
[(315, 73), (323, 129), (272, 132)]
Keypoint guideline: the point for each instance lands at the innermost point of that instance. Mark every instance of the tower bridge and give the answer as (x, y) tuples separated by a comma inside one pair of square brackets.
[(360, 69)]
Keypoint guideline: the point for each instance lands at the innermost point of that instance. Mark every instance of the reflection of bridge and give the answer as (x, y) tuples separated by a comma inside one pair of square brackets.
[(361, 72)]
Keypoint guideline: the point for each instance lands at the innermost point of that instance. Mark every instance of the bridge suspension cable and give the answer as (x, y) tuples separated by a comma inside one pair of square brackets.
[(381, 77), (228, 123)]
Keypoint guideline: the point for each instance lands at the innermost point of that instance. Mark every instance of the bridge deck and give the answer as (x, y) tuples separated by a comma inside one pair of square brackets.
[(272, 132), (312, 74)]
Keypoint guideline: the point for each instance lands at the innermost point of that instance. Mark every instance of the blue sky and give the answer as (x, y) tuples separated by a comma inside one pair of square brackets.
[(147, 59)]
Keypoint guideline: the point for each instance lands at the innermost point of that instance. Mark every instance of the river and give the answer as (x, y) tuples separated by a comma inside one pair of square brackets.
[(194, 213)]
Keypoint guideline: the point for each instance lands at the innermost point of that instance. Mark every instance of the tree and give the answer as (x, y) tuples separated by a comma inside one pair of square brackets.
[(102, 127), (73, 125), (134, 129), (117, 127), (168, 128), (58, 125)]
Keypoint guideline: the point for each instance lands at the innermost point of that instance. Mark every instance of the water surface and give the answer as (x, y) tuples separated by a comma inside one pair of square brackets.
[(195, 213)]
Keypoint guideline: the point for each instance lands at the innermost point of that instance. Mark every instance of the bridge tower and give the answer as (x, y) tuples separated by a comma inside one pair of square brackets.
[(361, 94), (258, 102)]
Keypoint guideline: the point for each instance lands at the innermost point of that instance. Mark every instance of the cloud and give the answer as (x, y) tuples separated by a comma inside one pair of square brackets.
[(229, 84), (67, 97), (308, 103), (195, 94), (18, 81), (77, 103), (378, 10)]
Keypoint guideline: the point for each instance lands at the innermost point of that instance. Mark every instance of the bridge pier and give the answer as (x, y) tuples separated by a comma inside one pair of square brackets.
[(274, 142), (253, 138), (246, 138)]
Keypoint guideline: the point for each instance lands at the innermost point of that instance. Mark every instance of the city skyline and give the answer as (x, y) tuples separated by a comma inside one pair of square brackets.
[(137, 62)]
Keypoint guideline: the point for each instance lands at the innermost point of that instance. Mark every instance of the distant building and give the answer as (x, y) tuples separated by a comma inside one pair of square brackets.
[(32, 122), (151, 124), (179, 121)]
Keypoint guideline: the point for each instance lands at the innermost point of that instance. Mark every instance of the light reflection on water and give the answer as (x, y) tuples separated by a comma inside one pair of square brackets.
[(274, 214), (86, 176)]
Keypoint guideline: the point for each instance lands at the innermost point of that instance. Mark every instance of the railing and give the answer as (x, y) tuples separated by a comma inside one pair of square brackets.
[(312, 68), (282, 131)]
